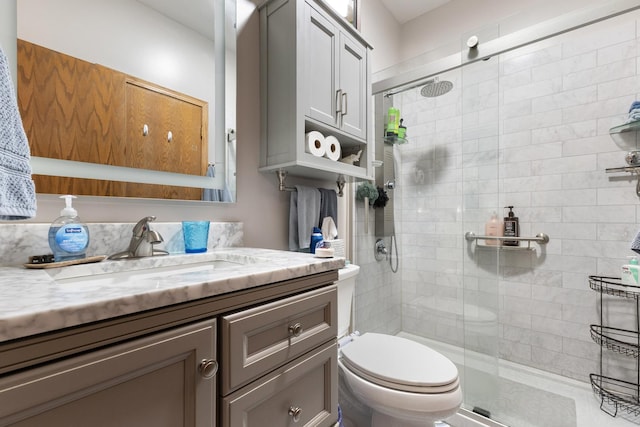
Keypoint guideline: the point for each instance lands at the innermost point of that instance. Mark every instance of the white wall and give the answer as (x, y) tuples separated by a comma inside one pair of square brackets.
[(8, 35), (383, 32), (446, 25)]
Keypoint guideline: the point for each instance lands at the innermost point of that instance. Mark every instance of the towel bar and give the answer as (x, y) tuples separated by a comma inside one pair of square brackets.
[(282, 175)]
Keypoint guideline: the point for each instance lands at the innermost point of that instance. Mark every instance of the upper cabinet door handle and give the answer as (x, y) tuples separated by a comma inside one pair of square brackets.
[(169, 136), (344, 104), (339, 101), (145, 130)]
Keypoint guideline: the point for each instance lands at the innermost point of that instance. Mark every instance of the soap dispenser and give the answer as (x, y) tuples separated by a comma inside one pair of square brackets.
[(493, 227), (511, 227), (630, 272), (68, 235)]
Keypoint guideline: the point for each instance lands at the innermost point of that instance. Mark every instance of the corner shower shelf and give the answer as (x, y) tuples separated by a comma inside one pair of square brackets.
[(613, 286), (615, 394), (617, 340), (625, 127), (621, 395), (540, 238)]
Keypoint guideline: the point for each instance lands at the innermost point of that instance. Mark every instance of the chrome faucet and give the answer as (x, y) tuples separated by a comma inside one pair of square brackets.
[(142, 241)]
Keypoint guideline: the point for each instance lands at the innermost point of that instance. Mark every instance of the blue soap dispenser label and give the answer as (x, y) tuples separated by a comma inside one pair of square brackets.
[(72, 238)]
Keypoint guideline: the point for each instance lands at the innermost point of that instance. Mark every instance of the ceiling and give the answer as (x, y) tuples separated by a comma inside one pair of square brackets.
[(196, 14), (406, 10)]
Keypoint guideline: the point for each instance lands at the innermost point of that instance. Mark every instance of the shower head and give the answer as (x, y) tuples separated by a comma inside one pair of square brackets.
[(435, 88)]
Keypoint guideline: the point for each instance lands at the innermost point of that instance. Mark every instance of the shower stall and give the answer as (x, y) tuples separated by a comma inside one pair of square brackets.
[(522, 120)]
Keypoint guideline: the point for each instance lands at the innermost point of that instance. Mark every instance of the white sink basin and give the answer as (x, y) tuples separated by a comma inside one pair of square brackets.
[(151, 268), (151, 273)]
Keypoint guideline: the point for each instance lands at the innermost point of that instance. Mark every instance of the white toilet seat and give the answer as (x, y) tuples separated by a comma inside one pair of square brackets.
[(400, 364)]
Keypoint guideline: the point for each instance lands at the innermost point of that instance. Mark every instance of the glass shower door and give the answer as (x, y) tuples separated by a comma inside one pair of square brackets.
[(481, 260)]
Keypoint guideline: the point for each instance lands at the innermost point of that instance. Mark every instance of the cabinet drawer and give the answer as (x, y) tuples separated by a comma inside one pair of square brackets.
[(257, 340), (306, 386)]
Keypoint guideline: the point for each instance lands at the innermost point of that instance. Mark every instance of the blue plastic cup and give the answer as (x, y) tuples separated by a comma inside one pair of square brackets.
[(196, 236)]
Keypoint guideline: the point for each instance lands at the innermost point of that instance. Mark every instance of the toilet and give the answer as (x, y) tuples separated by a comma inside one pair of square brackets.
[(405, 383)]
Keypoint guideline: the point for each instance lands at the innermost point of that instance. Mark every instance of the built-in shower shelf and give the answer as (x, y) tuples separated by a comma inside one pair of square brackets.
[(613, 286), (505, 248), (617, 340), (540, 238), (616, 395)]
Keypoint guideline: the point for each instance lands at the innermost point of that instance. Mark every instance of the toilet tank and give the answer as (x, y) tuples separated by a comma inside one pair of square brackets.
[(346, 288)]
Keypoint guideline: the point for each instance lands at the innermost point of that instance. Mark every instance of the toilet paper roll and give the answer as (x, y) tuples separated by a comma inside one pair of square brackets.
[(315, 143), (332, 149)]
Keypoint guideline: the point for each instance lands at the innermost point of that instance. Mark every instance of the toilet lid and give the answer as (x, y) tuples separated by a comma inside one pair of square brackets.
[(400, 364)]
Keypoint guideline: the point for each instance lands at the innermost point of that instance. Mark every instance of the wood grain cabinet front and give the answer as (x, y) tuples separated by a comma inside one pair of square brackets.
[(260, 339), (166, 379)]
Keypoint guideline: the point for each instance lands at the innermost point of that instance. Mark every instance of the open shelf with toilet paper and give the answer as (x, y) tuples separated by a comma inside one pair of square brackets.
[(317, 83)]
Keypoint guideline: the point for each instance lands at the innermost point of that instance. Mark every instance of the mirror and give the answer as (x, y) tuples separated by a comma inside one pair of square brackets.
[(186, 49)]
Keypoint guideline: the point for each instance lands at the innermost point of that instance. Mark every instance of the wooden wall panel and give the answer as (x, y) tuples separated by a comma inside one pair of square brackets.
[(76, 110)]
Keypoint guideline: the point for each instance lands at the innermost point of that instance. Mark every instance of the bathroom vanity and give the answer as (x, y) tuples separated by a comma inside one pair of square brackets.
[(240, 337)]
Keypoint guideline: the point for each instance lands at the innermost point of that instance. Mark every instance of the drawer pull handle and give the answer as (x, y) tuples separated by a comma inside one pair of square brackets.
[(294, 412), (295, 330), (208, 368)]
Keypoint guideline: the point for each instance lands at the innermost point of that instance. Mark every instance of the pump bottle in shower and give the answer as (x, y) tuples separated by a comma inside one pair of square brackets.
[(511, 228)]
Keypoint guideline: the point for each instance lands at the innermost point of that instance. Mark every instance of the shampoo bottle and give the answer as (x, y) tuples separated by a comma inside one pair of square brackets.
[(68, 235), (493, 227), (630, 272), (511, 227)]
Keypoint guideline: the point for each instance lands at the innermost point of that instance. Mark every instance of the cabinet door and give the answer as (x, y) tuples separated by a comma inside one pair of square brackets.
[(353, 84), (303, 393), (321, 68), (151, 116), (154, 381)]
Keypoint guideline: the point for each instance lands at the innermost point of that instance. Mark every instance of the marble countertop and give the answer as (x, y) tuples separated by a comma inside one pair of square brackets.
[(35, 301)]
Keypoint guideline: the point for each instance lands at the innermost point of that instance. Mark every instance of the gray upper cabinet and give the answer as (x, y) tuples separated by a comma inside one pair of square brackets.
[(336, 65), (315, 77)]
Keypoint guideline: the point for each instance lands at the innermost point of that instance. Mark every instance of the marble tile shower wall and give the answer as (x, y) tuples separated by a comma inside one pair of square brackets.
[(19, 241), (528, 129)]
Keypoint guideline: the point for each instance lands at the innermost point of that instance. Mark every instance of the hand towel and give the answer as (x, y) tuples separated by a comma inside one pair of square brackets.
[(328, 206), (304, 211), (329, 229), (17, 190)]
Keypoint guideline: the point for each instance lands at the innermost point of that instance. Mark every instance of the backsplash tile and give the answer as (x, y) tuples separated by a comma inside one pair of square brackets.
[(19, 241)]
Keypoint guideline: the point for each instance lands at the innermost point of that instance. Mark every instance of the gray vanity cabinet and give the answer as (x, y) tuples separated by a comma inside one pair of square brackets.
[(166, 379), (315, 76), (214, 361)]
